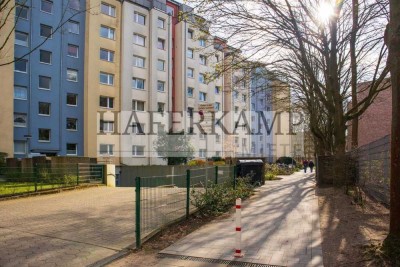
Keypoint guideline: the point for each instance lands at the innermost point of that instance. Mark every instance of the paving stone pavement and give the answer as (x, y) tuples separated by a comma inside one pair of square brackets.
[(75, 228), (280, 226)]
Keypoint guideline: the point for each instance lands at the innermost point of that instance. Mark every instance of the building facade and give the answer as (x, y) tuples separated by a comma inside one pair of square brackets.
[(49, 78)]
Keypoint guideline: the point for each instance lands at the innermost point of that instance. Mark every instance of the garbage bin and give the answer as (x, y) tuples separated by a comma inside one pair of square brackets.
[(252, 168)]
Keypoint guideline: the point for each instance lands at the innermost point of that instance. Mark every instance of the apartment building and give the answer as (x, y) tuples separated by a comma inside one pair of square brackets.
[(146, 79), (48, 81), (7, 83), (261, 114), (102, 84), (198, 91)]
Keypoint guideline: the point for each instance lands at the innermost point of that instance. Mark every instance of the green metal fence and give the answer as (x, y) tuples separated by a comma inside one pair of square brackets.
[(162, 200), (22, 180)]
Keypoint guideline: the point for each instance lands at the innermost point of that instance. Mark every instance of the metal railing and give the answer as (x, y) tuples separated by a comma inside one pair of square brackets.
[(22, 180), (162, 200)]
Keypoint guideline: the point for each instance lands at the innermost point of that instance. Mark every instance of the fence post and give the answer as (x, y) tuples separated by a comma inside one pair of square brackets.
[(103, 173), (234, 176), (77, 174), (216, 174), (187, 193), (138, 235), (35, 175)]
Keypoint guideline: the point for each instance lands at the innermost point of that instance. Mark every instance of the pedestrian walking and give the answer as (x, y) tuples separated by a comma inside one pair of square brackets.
[(311, 165), (305, 165)]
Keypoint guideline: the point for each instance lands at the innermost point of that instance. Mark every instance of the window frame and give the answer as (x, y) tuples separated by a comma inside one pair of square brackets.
[(109, 30), (26, 65), (135, 152), (17, 14), (109, 76), (75, 121), (110, 7), (162, 42), (160, 83), (45, 11), (109, 100), (162, 21), (107, 154), (159, 61), (40, 57), (136, 79), (191, 95), (110, 55), (49, 79), (135, 38), (137, 15), (75, 23), (109, 128), (18, 41), (77, 74), (24, 125), (77, 50), (135, 105), (44, 140), (24, 89), (190, 53), (135, 60), (76, 100), (48, 106), (192, 70), (43, 26), (205, 96), (66, 149)]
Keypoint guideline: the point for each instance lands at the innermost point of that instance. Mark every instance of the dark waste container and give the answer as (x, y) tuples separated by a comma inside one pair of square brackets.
[(252, 168)]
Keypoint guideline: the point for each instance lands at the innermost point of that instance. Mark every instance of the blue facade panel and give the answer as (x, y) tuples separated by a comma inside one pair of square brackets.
[(56, 70)]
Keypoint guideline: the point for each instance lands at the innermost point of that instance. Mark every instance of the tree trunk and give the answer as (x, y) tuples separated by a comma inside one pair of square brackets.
[(393, 42), (353, 58)]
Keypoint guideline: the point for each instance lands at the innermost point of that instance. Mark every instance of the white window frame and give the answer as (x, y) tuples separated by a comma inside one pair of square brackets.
[(46, 26), (188, 92), (190, 53), (44, 140), (160, 61), (51, 57), (76, 100), (17, 14), (20, 42), (76, 124), (26, 66), (192, 70), (108, 98), (202, 79), (110, 32), (202, 94), (23, 143), (110, 55), (75, 23), (44, 114), (24, 116), (162, 42), (137, 15), (137, 39), (135, 151), (137, 59), (71, 154), (77, 51), (25, 89), (135, 105), (70, 72), (109, 77), (49, 79), (50, 2), (111, 11), (161, 23), (203, 60), (106, 126), (109, 150), (135, 83), (160, 85)]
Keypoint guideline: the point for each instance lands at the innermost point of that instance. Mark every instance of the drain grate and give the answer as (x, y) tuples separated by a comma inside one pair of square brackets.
[(217, 261)]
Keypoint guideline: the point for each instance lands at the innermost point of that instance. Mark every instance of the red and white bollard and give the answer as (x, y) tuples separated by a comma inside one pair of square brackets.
[(238, 219)]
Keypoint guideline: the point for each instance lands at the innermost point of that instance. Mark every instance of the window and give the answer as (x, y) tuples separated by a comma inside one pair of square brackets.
[(139, 18), (72, 149), (72, 75), (138, 83), (73, 51), (190, 73), (72, 124), (72, 99), (170, 10), (190, 34), (217, 106), (106, 78), (74, 4), (106, 55), (106, 126), (202, 153), (106, 102), (161, 44), (217, 58), (45, 57), (46, 6), (139, 39), (44, 108), (106, 150), (21, 12), (21, 38), (137, 128), (202, 42), (138, 61), (160, 23), (190, 53), (160, 107), (73, 27), (21, 65), (236, 109), (217, 138), (44, 82), (108, 9), (235, 94), (46, 31), (107, 32), (160, 86), (137, 105), (20, 119), (244, 141), (190, 112), (202, 96), (190, 91), (161, 65), (201, 78), (19, 147), (217, 90), (203, 60), (244, 98), (137, 151), (20, 92), (44, 135)]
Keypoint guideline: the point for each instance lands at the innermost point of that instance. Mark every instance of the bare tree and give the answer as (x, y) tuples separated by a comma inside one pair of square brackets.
[(321, 58), (392, 38)]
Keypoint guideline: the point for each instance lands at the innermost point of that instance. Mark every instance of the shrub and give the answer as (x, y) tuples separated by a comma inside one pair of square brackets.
[(218, 198), (219, 163), (286, 160), (196, 162)]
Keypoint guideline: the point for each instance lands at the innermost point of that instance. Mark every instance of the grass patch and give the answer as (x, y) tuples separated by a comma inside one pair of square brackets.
[(13, 188)]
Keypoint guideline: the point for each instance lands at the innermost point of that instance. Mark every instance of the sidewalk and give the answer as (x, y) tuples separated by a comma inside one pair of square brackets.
[(280, 226)]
